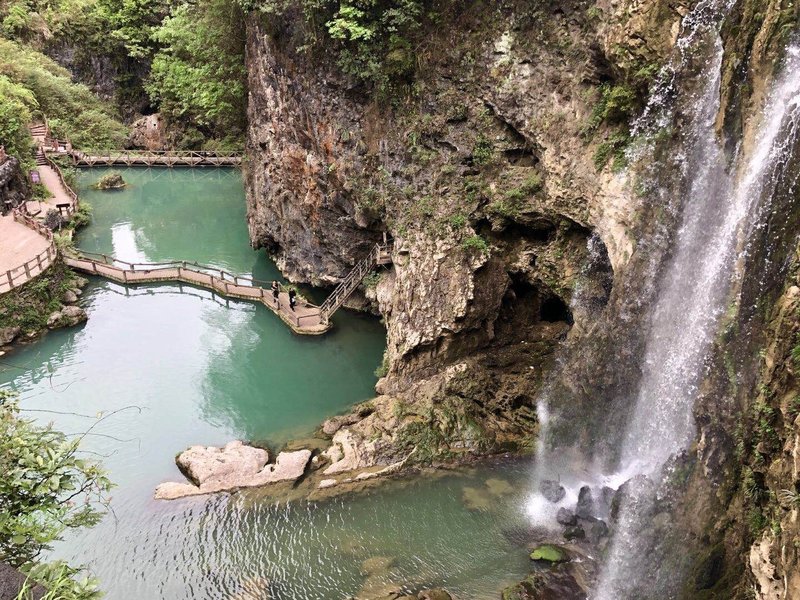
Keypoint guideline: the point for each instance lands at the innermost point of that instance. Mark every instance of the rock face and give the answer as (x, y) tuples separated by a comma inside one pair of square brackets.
[(237, 465), (14, 188), (69, 316), (149, 132), (512, 235)]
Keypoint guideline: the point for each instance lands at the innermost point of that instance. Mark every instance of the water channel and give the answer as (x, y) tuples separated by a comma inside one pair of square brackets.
[(183, 366)]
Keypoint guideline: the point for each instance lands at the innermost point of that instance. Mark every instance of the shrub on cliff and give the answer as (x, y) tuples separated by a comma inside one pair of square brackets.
[(373, 39)]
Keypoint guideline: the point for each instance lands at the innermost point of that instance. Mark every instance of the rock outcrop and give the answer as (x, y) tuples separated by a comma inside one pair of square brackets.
[(14, 188), (234, 466)]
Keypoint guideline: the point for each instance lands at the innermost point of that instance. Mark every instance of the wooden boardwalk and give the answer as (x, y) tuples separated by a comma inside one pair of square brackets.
[(26, 250), (147, 158), (305, 319)]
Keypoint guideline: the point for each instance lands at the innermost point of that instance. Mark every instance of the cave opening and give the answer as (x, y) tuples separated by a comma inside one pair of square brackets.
[(554, 310)]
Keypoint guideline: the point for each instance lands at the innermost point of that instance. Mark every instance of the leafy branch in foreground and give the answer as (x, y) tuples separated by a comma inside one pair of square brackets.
[(46, 489)]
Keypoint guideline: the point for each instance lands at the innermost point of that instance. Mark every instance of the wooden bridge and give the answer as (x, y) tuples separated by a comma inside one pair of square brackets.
[(151, 158), (306, 318)]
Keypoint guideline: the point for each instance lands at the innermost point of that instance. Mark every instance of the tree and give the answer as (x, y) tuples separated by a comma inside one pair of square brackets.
[(46, 489), (199, 74)]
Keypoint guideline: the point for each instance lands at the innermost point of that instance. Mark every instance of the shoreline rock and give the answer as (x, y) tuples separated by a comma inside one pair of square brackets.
[(236, 465)]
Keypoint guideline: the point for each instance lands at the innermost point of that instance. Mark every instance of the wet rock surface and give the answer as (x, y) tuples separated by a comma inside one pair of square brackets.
[(234, 466)]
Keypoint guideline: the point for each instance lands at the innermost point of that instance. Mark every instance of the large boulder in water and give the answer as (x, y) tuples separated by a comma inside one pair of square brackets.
[(111, 181), (636, 487), (565, 516), (237, 465), (552, 490)]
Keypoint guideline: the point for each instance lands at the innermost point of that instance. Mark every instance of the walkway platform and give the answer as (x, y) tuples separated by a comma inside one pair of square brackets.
[(25, 252), (145, 158), (305, 319)]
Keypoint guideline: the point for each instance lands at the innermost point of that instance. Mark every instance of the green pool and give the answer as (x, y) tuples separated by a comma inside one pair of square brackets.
[(183, 367)]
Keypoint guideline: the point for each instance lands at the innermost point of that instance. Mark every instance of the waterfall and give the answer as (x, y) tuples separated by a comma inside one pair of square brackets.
[(722, 208)]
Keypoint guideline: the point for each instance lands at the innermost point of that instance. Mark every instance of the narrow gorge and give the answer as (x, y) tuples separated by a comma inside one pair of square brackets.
[(567, 370)]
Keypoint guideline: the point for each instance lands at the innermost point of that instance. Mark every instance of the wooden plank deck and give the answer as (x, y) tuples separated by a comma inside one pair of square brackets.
[(152, 159), (305, 319)]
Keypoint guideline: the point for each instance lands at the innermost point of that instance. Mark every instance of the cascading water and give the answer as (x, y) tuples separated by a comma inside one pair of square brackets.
[(723, 201), (721, 210), (702, 160)]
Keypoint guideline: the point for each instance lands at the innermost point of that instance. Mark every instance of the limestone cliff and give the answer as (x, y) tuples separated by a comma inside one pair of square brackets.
[(498, 179), (493, 176)]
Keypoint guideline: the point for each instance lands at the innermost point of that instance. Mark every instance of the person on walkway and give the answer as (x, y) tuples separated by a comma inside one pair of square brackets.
[(292, 299), (275, 291)]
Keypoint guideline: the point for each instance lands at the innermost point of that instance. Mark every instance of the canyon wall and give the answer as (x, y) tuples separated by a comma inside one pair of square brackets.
[(521, 241)]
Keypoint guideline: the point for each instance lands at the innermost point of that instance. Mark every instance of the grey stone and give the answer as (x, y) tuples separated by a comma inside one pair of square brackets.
[(8, 334), (69, 297), (552, 490), (586, 507), (565, 516)]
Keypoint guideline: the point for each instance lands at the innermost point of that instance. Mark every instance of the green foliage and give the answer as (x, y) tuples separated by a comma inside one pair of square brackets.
[(614, 147), (131, 23), (46, 487), (383, 368), (483, 151), (34, 81), (475, 243), (198, 74), (373, 39), (29, 306), (16, 106), (790, 497), (371, 280), (61, 581), (81, 217), (616, 105)]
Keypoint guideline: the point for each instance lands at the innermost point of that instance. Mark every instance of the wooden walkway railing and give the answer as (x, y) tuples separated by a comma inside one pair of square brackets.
[(22, 274), (381, 254), (148, 158), (304, 319)]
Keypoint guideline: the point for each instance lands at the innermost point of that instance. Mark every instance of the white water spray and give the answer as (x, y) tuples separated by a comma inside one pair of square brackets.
[(720, 212)]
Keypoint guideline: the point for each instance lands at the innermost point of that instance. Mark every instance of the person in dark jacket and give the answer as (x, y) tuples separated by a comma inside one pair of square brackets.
[(292, 299), (275, 291)]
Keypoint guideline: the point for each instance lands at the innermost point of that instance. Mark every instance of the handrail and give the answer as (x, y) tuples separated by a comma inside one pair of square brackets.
[(353, 279), (70, 192), (28, 270), (189, 266)]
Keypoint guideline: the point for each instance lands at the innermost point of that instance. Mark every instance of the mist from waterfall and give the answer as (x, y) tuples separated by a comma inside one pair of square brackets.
[(723, 207), (724, 199)]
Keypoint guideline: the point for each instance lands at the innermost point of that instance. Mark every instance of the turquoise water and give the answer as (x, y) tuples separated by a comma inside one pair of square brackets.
[(183, 366)]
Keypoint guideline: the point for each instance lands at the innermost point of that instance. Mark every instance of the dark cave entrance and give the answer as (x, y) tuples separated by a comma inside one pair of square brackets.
[(554, 310)]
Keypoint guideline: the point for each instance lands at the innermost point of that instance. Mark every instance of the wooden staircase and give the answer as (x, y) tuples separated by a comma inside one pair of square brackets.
[(381, 254)]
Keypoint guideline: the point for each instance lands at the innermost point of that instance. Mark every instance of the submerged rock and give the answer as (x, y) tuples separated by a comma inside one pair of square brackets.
[(552, 490), (237, 465)]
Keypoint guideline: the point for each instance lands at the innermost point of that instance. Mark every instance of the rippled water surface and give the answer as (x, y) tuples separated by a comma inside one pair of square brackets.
[(183, 367)]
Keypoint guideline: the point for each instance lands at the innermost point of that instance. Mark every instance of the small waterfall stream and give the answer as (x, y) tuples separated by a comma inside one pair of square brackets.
[(722, 208), (724, 200)]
